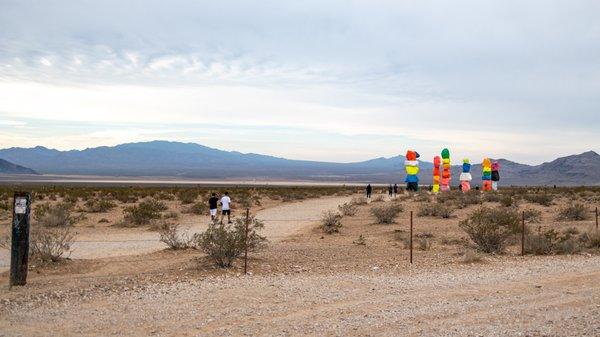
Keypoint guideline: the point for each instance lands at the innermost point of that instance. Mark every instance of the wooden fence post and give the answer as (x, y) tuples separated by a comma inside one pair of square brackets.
[(523, 234), (19, 249), (411, 237), (596, 219), (246, 242)]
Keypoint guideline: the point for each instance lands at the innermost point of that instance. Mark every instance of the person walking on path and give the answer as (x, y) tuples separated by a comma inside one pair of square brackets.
[(212, 206), (226, 207), (395, 190), (369, 191)]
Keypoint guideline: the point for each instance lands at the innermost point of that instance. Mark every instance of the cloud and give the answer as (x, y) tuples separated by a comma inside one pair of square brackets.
[(504, 78)]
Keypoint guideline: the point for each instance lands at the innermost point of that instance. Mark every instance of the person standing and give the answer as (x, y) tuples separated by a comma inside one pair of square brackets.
[(369, 191), (212, 206), (390, 190), (395, 190), (226, 207)]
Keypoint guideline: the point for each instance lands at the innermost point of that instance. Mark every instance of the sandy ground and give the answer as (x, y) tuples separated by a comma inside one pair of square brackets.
[(280, 221), (512, 298)]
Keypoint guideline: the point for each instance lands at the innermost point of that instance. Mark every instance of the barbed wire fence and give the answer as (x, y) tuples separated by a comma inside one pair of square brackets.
[(409, 220)]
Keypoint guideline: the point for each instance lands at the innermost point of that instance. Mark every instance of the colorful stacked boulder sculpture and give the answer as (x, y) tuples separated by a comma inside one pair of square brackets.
[(445, 181), (487, 174), (412, 169), (465, 176), (436, 174), (495, 175)]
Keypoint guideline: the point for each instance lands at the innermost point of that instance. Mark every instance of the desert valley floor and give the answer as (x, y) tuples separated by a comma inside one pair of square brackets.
[(123, 281)]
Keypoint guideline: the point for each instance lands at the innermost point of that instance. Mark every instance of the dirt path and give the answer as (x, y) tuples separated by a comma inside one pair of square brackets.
[(556, 296), (280, 222), (288, 219)]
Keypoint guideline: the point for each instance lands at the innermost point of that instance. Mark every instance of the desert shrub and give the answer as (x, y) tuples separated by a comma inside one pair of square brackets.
[(426, 235), (224, 243), (492, 197), (103, 220), (187, 196), (378, 198), (50, 244), (422, 196), (126, 198), (5, 205), (142, 214), (99, 206), (436, 210), (532, 215), (359, 200), (162, 195), (198, 208), (71, 199), (360, 241), (507, 201), (386, 214), (169, 235), (423, 243), (574, 211), (552, 242), (331, 222), (590, 239), (171, 215), (543, 199), (490, 229), (471, 256), (466, 199), (58, 215), (348, 209)]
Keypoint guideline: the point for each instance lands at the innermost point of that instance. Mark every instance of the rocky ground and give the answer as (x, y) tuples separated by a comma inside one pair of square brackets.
[(536, 297), (309, 283)]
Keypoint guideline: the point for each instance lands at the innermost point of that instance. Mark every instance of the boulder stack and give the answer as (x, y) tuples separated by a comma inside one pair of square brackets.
[(445, 181), (412, 169)]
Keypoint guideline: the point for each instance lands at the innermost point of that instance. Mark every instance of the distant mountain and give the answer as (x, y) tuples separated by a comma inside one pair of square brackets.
[(189, 160), (7, 167)]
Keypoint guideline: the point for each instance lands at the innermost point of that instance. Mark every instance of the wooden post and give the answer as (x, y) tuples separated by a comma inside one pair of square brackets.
[(523, 234), (596, 219), (246, 242), (411, 237), (19, 249)]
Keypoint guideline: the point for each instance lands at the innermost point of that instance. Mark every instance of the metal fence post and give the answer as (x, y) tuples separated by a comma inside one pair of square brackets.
[(19, 249)]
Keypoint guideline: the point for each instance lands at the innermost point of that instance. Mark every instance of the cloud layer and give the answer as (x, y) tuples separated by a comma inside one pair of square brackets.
[(335, 81)]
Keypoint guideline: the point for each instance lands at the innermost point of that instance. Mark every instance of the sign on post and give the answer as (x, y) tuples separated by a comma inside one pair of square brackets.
[(19, 250)]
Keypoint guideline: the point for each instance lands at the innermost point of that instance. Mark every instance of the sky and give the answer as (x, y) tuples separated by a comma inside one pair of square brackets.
[(320, 80)]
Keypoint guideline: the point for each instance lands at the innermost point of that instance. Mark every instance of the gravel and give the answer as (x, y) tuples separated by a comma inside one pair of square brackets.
[(541, 296)]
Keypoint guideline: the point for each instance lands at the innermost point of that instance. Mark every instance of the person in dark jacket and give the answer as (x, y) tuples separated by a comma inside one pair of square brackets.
[(212, 206), (369, 191), (390, 190), (395, 190)]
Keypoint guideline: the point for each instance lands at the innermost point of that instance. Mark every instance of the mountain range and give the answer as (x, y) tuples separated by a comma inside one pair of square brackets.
[(189, 160)]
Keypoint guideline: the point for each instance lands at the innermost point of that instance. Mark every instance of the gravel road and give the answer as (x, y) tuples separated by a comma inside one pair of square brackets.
[(557, 296), (280, 222)]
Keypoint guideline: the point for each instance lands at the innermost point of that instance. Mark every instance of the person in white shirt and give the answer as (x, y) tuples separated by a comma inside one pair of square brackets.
[(226, 207)]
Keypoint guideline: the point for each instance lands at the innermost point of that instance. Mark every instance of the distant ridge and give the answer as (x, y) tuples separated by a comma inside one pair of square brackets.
[(7, 167), (190, 160)]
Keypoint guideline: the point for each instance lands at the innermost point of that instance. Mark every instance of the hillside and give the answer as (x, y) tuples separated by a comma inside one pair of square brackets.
[(7, 167)]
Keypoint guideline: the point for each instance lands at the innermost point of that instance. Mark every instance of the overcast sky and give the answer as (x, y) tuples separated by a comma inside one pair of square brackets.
[(322, 80)]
